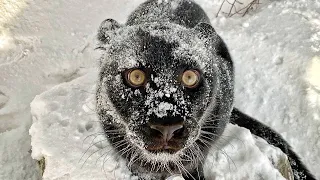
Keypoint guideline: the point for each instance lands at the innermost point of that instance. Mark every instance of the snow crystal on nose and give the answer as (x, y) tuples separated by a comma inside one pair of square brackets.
[(161, 110), (157, 99)]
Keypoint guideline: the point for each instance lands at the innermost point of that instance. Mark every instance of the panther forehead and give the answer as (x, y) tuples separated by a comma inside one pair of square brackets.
[(128, 46)]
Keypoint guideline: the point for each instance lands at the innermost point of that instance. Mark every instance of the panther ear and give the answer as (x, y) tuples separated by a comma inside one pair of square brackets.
[(205, 30), (106, 30)]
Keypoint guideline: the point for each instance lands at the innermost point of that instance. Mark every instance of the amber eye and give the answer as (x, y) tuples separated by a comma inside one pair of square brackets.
[(136, 77), (190, 78)]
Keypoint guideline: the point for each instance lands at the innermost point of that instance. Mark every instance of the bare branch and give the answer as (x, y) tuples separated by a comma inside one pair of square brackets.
[(233, 7)]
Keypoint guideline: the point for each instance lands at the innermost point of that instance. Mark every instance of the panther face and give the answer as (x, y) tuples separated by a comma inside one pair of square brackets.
[(160, 96)]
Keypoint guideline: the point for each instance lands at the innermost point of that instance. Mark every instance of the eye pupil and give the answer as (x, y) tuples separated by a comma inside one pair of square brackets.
[(190, 78), (136, 77)]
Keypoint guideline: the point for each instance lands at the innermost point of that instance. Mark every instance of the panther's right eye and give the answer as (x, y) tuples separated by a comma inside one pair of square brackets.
[(135, 77)]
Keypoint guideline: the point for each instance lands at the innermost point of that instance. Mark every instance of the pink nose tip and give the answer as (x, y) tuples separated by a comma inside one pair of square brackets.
[(166, 131)]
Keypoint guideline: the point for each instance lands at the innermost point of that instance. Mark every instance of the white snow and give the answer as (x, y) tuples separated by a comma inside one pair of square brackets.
[(241, 156), (275, 49)]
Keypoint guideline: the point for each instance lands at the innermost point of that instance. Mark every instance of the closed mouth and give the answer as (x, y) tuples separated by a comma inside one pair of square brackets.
[(163, 146)]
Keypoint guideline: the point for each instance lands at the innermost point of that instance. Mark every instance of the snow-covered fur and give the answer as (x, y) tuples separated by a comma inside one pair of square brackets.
[(165, 38)]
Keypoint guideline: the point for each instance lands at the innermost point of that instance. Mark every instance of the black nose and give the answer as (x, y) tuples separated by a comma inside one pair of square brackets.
[(167, 131)]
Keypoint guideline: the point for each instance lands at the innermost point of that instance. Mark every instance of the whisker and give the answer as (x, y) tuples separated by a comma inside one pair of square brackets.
[(219, 149), (105, 153), (91, 153), (94, 134), (105, 159), (133, 159), (185, 170)]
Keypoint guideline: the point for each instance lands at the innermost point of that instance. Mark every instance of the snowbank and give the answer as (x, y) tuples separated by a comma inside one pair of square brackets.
[(15, 161)]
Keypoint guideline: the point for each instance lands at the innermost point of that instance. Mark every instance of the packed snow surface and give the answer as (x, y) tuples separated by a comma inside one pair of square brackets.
[(275, 48)]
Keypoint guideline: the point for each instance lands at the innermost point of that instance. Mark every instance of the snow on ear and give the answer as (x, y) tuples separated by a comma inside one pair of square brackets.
[(207, 32), (205, 29), (106, 28)]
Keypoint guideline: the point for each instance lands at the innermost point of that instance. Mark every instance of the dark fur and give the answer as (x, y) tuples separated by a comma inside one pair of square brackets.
[(158, 53)]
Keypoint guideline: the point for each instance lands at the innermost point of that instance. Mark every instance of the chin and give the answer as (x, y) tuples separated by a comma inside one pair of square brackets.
[(158, 155)]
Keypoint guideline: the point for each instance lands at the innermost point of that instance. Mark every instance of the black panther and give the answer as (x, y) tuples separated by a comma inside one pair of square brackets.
[(166, 90)]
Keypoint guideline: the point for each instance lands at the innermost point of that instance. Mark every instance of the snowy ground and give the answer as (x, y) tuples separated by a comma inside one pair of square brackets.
[(46, 43)]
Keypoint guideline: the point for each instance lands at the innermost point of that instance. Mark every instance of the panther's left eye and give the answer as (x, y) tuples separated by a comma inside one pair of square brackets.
[(135, 77), (190, 78)]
